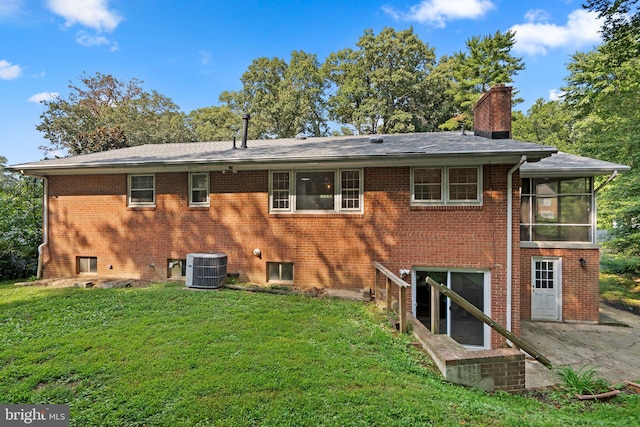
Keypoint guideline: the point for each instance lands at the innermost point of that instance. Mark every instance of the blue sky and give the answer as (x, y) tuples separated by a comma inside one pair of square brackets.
[(191, 51)]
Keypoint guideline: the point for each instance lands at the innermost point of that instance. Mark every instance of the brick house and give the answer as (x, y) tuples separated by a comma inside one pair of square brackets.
[(320, 210)]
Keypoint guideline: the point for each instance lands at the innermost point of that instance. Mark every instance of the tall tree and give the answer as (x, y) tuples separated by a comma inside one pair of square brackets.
[(549, 123), (621, 27), (603, 88), (383, 86), (216, 123), (487, 62), (20, 223), (103, 113), (282, 98)]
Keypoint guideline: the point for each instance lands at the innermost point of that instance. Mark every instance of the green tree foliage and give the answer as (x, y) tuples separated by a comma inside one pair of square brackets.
[(216, 123), (621, 27), (104, 113), (385, 85), (487, 62), (282, 98), (549, 123), (20, 224), (603, 88)]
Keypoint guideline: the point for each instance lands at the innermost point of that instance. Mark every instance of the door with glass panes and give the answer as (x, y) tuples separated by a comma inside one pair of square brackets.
[(455, 321)]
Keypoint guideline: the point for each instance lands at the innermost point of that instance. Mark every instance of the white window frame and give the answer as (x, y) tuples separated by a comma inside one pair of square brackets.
[(337, 192), (486, 299), (445, 199), (207, 202), (130, 190), (86, 269)]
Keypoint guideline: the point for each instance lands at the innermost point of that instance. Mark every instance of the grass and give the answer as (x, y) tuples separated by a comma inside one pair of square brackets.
[(620, 290), (162, 356)]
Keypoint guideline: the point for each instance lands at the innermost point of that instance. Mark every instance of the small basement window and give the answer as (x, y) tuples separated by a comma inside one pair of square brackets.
[(176, 268), (280, 272), (87, 264)]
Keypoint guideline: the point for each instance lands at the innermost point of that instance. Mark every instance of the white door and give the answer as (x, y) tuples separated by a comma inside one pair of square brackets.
[(546, 289)]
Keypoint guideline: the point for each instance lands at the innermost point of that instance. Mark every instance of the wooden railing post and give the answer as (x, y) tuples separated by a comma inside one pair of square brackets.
[(392, 279), (403, 309), (388, 295), (435, 311), (376, 287)]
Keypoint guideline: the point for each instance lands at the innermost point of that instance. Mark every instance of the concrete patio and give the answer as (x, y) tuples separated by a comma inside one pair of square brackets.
[(612, 347)]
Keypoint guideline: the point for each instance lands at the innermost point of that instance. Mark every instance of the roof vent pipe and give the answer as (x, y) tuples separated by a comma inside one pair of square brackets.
[(245, 129)]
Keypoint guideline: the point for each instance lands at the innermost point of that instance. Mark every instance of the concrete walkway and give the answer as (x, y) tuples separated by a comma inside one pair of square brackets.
[(612, 347)]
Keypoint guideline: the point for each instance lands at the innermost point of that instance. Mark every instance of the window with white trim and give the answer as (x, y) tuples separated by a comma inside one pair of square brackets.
[(142, 190), (87, 264), (446, 185), (310, 191), (199, 189)]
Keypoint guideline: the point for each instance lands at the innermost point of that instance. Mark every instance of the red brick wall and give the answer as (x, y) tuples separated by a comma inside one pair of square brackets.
[(89, 217), (580, 285), (492, 113)]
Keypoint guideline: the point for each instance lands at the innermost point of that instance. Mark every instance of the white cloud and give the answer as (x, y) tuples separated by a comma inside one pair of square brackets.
[(538, 36), (205, 57), (439, 12), (10, 7), (43, 96), (88, 40), (9, 71), (89, 13), (556, 95)]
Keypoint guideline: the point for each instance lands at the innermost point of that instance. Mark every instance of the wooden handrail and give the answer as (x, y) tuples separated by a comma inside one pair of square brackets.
[(476, 312), (393, 279)]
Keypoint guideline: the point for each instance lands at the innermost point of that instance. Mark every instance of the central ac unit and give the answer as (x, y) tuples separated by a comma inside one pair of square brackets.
[(206, 270)]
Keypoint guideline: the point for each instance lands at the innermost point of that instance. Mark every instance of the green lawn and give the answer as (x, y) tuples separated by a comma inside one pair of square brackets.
[(619, 290), (163, 356)]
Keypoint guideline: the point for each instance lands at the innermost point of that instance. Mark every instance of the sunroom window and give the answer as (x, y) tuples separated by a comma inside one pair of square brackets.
[(321, 191), (556, 209)]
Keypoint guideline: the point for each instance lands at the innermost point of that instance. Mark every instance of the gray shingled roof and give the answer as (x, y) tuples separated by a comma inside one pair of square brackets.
[(569, 165), (401, 149), (396, 147)]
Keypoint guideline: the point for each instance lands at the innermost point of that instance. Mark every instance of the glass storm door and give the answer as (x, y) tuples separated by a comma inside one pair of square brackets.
[(463, 326), (454, 320)]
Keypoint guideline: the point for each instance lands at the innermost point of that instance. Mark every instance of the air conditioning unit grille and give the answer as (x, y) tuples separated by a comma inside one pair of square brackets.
[(206, 270)]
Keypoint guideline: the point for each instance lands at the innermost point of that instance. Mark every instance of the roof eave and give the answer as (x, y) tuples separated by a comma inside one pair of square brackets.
[(400, 159)]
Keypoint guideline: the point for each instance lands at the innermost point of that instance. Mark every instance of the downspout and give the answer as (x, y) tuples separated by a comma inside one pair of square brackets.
[(45, 221), (510, 236)]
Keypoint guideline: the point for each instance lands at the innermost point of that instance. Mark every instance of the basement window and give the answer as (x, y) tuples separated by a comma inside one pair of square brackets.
[(176, 268), (87, 265), (280, 272)]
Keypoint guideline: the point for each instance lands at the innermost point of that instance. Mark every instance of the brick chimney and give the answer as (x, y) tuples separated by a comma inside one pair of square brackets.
[(492, 113)]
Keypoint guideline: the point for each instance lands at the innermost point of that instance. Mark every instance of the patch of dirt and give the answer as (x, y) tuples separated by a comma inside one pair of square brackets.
[(86, 282)]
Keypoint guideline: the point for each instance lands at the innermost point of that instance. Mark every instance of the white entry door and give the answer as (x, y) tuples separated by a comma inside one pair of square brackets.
[(546, 289)]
